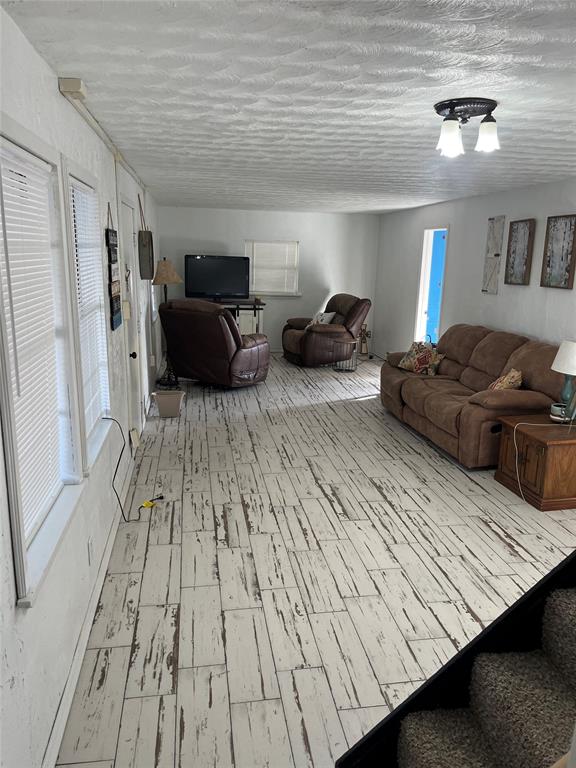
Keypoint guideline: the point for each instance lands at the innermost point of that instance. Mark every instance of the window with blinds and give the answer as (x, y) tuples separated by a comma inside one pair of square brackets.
[(274, 266), (90, 295), (35, 371)]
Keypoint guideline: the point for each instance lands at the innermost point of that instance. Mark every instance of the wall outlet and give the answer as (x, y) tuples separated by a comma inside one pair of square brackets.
[(90, 547), (152, 363)]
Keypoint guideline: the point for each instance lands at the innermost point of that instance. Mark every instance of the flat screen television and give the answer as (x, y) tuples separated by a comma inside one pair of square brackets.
[(217, 277)]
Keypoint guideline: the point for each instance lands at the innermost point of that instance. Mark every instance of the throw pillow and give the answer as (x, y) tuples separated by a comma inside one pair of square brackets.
[(421, 358), (323, 317), (510, 380), (435, 361), (409, 359)]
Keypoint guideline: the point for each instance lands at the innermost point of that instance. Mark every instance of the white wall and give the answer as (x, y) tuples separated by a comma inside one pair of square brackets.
[(545, 313), (38, 644), (338, 252)]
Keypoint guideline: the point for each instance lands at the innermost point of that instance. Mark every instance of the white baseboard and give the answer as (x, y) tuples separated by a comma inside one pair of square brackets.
[(57, 732)]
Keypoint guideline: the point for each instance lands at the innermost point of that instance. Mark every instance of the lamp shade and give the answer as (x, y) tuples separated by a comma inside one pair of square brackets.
[(565, 360), (166, 274), (487, 136), (450, 141)]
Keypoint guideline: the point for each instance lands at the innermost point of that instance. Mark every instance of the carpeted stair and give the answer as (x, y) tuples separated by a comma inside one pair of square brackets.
[(522, 706)]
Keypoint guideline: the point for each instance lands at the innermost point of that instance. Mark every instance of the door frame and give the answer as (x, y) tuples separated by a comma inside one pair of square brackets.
[(131, 370), (421, 305)]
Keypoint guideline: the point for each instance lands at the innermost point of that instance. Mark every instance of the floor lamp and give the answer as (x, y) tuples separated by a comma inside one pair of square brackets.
[(166, 275)]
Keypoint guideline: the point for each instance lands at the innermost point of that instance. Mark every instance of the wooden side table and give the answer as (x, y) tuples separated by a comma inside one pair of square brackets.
[(546, 461)]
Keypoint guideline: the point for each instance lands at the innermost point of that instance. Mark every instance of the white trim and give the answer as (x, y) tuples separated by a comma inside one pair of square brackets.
[(279, 295), (89, 442), (73, 320), (44, 546), (11, 471), (424, 282), (26, 140), (135, 315), (81, 174)]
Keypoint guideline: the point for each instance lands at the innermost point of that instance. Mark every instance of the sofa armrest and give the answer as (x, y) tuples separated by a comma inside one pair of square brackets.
[(511, 400), (394, 358), (254, 340), (298, 323), (328, 329)]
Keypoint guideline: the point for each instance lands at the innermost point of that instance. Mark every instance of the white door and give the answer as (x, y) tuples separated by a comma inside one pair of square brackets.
[(133, 325)]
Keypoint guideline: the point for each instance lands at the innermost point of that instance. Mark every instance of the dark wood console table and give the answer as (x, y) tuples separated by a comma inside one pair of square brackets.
[(546, 462)]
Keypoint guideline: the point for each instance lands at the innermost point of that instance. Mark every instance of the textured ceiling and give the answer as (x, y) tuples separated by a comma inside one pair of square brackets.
[(323, 105)]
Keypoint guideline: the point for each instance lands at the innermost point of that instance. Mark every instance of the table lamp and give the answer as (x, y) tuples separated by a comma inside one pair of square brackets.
[(565, 362), (166, 275)]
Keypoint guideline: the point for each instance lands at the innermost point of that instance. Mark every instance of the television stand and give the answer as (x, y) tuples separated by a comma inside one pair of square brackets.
[(246, 312)]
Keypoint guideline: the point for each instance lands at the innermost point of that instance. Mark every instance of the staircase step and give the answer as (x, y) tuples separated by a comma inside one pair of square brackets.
[(559, 632), (443, 738), (524, 706)]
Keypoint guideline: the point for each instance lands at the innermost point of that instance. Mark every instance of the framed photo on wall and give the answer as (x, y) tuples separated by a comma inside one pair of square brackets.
[(519, 254), (559, 259)]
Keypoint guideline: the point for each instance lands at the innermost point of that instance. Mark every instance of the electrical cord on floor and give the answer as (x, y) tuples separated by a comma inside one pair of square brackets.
[(111, 418), (146, 504)]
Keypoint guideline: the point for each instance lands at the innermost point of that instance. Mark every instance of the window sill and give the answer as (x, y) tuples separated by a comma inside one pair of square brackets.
[(280, 295), (44, 546), (96, 441)]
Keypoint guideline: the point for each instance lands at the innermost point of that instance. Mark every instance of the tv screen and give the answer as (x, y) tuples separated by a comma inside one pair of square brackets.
[(217, 277)]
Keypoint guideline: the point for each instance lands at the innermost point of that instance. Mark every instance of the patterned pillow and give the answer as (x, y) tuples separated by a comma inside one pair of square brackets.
[(435, 361), (510, 380), (421, 358), (323, 318)]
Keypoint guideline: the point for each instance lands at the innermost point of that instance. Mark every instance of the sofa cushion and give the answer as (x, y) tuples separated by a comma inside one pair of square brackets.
[(489, 358), (291, 340), (394, 358), (416, 391), (391, 381), (450, 368), (443, 409), (534, 360), (511, 400), (459, 341)]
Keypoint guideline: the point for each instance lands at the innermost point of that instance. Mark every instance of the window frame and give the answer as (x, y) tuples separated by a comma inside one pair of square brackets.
[(249, 245), (89, 441), (31, 558)]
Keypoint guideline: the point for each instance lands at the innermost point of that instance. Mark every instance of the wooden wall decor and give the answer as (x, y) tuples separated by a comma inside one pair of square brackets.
[(519, 253), (559, 261)]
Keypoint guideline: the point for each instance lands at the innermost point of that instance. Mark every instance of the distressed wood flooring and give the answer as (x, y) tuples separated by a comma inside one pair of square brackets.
[(311, 563)]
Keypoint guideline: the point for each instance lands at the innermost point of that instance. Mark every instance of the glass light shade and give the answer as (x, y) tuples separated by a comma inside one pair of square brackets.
[(487, 136), (450, 141)]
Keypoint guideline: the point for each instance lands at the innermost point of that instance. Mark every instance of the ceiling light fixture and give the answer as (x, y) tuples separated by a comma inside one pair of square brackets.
[(456, 113)]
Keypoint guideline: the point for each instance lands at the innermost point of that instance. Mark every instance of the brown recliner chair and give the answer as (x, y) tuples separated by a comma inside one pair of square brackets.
[(204, 343), (312, 345)]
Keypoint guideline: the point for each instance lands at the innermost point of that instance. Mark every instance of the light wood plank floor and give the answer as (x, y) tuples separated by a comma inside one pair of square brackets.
[(312, 562)]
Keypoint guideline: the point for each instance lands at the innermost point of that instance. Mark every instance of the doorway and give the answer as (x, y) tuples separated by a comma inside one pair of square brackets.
[(431, 285), (131, 317)]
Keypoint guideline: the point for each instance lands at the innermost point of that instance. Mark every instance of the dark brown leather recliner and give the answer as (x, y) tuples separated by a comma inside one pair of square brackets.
[(312, 345), (204, 343)]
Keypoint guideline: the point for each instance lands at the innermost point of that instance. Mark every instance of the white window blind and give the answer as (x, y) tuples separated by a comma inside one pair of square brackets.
[(90, 296), (274, 266), (29, 277)]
